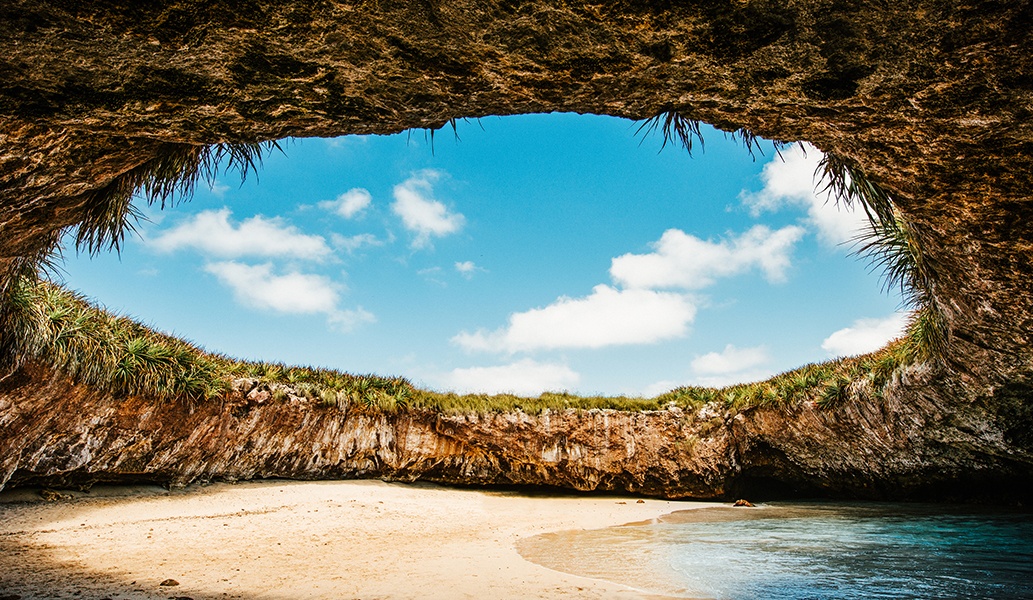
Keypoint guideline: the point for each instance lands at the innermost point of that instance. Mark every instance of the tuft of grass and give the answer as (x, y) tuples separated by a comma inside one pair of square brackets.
[(751, 142), (847, 184), (429, 132), (834, 393), (674, 128), (172, 173), (43, 322)]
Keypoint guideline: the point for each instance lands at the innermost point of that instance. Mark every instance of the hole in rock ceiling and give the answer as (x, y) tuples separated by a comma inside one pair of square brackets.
[(539, 252)]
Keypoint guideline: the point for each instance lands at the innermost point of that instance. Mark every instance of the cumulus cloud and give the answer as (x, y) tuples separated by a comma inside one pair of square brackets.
[(791, 182), (680, 260), (421, 214), (467, 268), (730, 360), (865, 335), (218, 189), (350, 204), (257, 286), (731, 366), (606, 317), (211, 232), (347, 320), (354, 243), (525, 377), (658, 387)]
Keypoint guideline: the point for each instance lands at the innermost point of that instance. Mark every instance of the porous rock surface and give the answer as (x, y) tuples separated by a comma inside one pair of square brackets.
[(932, 98)]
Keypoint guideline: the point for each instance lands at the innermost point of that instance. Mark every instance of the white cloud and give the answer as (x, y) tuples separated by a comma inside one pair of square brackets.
[(606, 317), (721, 380), (719, 369), (420, 212), (345, 141), (730, 360), (354, 243), (659, 387), (865, 335), (680, 260), (787, 179), (350, 204), (218, 189), (259, 287), (467, 268), (347, 320), (525, 377), (791, 182), (212, 233)]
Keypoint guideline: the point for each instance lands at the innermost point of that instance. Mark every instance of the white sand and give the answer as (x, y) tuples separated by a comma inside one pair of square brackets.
[(348, 539)]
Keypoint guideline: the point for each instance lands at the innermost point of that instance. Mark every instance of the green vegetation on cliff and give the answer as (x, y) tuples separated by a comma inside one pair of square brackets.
[(53, 326)]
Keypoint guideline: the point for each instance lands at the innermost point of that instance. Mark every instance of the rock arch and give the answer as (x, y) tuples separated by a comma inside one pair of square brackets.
[(932, 98)]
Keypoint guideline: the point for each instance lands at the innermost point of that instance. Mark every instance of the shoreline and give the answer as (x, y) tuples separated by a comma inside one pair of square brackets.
[(289, 539)]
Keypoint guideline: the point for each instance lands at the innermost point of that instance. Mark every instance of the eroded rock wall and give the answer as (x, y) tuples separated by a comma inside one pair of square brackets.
[(53, 432)]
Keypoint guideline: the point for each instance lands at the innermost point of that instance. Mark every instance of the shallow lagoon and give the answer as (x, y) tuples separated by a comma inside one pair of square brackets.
[(808, 551)]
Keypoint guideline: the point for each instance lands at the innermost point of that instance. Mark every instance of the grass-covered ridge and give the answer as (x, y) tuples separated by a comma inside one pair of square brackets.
[(48, 324)]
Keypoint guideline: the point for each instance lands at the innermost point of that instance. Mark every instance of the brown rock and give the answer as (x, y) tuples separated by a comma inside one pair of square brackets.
[(53, 495), (169, 583), (910, 444)]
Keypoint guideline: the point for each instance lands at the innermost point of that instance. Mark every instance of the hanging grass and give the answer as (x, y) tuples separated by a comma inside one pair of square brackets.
[(677, 129), (172, 174), (674, 128)]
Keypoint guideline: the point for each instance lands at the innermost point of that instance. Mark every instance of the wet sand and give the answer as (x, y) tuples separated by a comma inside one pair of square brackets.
[(278, 539)]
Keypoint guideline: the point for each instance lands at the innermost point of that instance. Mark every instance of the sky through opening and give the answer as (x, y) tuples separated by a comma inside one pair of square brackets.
[(539, 252)]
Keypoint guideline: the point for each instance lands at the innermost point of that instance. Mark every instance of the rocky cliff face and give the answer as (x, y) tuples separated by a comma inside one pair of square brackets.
[(54, 432), (931, 98)]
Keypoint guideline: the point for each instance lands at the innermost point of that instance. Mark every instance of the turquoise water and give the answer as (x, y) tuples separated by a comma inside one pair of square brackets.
[(808, 551)]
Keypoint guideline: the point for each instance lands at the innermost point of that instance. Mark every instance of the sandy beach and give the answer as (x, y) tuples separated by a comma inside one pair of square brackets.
[(280, 539)]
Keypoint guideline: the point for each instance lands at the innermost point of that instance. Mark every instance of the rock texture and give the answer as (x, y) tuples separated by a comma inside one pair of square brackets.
[(54, 432), (932, 98)]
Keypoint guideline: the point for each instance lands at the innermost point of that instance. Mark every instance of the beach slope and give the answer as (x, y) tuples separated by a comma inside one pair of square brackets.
[(280, 539)]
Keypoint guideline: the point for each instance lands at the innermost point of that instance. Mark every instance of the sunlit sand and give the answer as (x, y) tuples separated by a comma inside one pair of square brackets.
[(278, 539)]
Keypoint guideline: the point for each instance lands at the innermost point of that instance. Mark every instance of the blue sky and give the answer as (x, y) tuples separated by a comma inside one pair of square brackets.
[(539, 252)]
